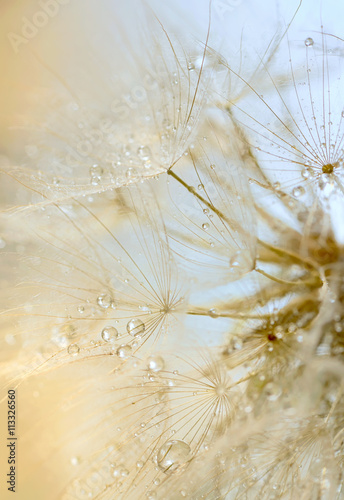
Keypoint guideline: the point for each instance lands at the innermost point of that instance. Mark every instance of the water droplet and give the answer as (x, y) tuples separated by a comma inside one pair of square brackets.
[(213, 313), (272, 391), (73, 349), (64, 334), (205, 226), (298, 191), (96, 173), (309, 42), (75, 460), (144, 153), (109, 334), (135, 327), (124, 351), (155, 363), (173, 455), (235, 344), (306, 173), (104, 300)]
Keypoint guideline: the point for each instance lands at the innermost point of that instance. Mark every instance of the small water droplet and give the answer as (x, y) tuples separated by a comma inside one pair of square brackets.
[(173, 455), (213, 313), (155, 363), (109, 334), (96, 173), (205, 226), (124, 351), (298, 191), (104, 300), (272, 391), (144, 153), (75, 460), (135, 327), (306, 173), (73, 349), (309, 42)]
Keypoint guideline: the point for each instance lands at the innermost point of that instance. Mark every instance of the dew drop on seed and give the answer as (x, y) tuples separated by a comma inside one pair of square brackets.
[(144, 153), (73, 349), (135, 327), (109, 334), (306, 173), (124, 351), (172, 455), (155, 363), (213, 313), (309, 42), (272, 391), (298, 191), (96, 173), (104, 300)]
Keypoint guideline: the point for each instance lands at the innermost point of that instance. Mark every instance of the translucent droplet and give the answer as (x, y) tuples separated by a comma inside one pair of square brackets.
[(124, 351), (104, 300), (109, 334), (73, 349), (144, 153), (155, 363), (298, 191), (173, 455), (306, 173), (235, 344), (135, 327), (272, 391), (63, 335), (309, 42), (96, 173), (205, 226), (213, 313), (75, 461)]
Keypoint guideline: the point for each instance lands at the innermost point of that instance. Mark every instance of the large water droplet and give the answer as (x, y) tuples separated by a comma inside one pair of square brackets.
[(73, 349), (272, 391), (135, 327), (298, 191), (104, 300), (173, 455), (124, 351), (96, 173), (144, 153), (155, 363), (109, 334)]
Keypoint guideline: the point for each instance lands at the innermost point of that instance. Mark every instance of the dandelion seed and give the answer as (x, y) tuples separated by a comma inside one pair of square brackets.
[(296, 127)]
